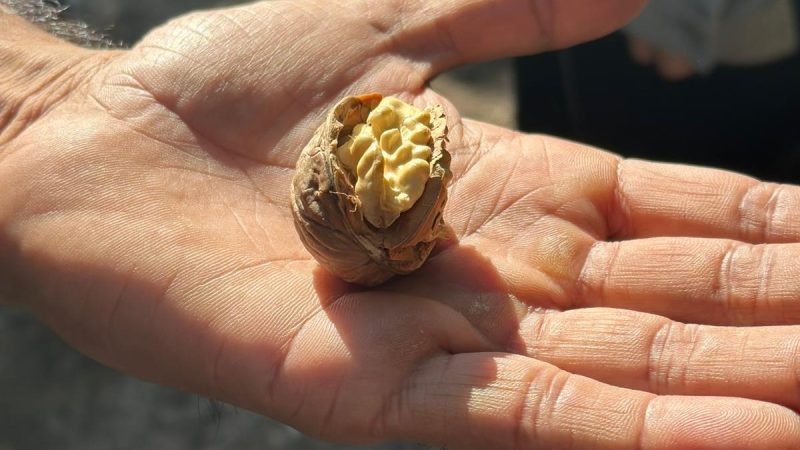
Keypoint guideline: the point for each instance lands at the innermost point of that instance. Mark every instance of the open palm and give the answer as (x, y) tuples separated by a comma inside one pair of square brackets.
[(149, 224)]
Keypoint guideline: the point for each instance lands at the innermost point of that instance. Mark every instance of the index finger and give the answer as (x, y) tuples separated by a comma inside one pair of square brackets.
[(656, 199)]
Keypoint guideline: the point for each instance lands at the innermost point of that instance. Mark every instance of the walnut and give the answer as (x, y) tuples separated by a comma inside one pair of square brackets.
[(370, 188)]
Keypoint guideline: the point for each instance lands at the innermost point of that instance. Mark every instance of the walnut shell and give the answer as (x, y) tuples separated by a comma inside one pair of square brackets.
[(328, 215)]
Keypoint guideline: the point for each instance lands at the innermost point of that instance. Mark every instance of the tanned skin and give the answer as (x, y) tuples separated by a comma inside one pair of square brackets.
[(587, 301)]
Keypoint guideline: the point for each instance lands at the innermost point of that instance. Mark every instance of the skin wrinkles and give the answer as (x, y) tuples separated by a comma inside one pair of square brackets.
[(171, 222)]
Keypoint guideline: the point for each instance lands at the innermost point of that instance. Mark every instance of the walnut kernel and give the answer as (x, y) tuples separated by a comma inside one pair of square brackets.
[(370, 188)]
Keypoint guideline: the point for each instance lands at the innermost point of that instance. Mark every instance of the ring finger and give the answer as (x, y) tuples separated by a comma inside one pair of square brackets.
[(647, 352)]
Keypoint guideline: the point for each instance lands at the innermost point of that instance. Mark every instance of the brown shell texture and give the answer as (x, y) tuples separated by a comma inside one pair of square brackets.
[(328, 216)]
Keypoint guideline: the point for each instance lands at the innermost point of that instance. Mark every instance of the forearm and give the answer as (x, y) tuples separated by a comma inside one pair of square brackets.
[(37, 70)]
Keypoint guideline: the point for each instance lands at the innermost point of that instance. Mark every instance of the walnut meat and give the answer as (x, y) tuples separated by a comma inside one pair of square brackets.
[(370, 188)]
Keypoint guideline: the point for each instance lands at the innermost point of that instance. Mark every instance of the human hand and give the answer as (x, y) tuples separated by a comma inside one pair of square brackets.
[(145, 219), (669, 65)]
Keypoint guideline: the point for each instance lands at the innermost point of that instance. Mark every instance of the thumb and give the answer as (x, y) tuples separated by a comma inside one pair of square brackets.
[(447, 33)]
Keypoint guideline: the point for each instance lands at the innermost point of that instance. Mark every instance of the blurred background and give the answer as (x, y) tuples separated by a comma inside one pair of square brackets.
[(712, 82)]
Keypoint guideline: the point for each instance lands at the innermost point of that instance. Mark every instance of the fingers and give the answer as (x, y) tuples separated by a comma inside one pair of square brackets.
[(671, 67), (713, 281), (485, 400), (533, 191), (653, 199), (637, 198), (651, 353), (641, 51), (453, 32)]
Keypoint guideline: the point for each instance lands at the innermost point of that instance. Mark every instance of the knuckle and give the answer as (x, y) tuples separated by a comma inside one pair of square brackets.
[(743, 282), (539, 403), (757, 211), (662, 369)]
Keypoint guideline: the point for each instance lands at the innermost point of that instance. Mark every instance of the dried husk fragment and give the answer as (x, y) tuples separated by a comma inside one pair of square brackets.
[(329, 217)]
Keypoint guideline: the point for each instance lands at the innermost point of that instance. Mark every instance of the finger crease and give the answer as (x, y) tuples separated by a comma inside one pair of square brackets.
[(722, 290), (692, 332), (618, 218), (657, 346), (542, 13), (770, 213), (526, 413), (765, 265), (584, 291), (643, 428)]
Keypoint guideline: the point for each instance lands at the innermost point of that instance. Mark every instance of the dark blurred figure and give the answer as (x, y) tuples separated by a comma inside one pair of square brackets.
[(710, 82), (126, 22)]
